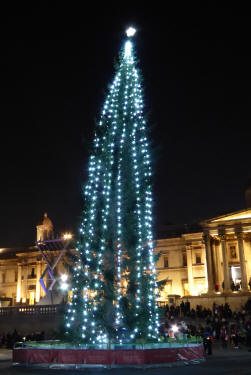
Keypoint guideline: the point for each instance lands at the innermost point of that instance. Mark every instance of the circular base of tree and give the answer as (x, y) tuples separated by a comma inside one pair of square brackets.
[(108, 357)]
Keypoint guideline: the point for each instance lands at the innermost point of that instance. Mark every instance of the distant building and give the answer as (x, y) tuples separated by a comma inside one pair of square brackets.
[(204, 263), (22, 267), (211, 260)]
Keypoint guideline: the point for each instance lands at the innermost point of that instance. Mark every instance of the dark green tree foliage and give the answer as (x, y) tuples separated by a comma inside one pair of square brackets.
[(114, 279)]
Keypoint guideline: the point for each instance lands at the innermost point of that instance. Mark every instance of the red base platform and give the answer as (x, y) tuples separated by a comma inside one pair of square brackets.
[(108, 358)]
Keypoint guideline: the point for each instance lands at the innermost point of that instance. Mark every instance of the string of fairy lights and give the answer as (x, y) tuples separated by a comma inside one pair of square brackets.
[(121, 124)]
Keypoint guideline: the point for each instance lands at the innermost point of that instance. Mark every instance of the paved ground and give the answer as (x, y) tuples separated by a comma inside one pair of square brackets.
[(5, 354), (229, 362)]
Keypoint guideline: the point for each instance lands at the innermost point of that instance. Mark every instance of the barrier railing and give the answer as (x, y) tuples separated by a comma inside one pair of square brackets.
[(30, 310)]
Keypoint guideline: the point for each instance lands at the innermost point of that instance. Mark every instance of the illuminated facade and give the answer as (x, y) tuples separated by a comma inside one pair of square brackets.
[(212, 261), (21, 270), (209, 260)]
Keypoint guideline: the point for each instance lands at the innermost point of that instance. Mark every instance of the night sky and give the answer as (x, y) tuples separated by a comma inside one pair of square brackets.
[(56, 65)]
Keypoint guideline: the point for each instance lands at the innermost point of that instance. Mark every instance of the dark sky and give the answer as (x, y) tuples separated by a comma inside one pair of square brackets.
[(55, 67)]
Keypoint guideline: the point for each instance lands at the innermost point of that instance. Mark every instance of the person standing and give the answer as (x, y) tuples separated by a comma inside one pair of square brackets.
[(235, 337), (224, 337), (208, 342), (249, 337)]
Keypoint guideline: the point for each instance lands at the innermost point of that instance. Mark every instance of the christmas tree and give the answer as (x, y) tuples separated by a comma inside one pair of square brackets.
[(114, 279)]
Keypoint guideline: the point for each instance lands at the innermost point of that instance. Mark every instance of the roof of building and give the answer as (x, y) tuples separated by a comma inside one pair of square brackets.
[(11, 252), (232, 216), (176, 230), (56, 244), (162, 232)]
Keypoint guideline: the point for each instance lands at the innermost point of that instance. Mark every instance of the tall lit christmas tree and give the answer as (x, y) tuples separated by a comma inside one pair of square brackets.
[(114, 278)]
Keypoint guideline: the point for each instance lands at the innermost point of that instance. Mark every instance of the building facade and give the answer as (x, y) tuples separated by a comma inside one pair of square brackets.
[(21, 269), (210, 261)]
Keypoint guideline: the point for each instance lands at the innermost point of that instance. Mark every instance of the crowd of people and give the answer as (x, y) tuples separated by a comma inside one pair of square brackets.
[(219, 324), (8, 340)]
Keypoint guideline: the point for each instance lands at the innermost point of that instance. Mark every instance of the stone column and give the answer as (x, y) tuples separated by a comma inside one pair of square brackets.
[(219, 263), (24, 288), (19, 283), (43, 266), (247, 250), (190, 269), (207, 242), (38, 272), (215, 265), (244, 282), (222, 235), (205, 263)]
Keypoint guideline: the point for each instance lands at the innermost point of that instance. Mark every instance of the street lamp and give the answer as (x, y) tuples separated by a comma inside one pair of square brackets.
[(67, 236), (64, 285)]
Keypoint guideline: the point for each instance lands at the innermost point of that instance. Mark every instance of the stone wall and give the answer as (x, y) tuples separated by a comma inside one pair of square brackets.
[(29, 319), (235, 301)]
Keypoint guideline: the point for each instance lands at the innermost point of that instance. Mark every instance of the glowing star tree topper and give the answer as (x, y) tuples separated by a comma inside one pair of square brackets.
[(114, 278), (130, 32)]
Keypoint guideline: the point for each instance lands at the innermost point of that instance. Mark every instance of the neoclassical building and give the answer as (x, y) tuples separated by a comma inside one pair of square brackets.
[(21, 269), (203, 263), (212, 261)]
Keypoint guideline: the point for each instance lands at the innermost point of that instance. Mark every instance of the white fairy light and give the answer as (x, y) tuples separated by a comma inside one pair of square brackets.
[(128, 49)]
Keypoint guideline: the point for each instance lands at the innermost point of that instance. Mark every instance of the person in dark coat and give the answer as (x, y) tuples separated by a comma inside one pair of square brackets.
[(208, 342)]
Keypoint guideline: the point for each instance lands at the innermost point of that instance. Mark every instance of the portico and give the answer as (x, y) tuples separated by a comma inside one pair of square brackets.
[(227, 242), (210, 263)]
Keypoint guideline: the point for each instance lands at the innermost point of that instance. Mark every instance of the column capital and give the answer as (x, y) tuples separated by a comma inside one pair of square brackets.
[(222, 232), (206, 237), (216, 241), (238, 230), (222, 237), (240, 236), (188, 245), (206, 232)]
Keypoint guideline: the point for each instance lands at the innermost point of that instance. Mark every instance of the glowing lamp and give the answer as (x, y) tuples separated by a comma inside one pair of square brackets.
[(64, 277), (67, 236), (175, 328), (64, 286)]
